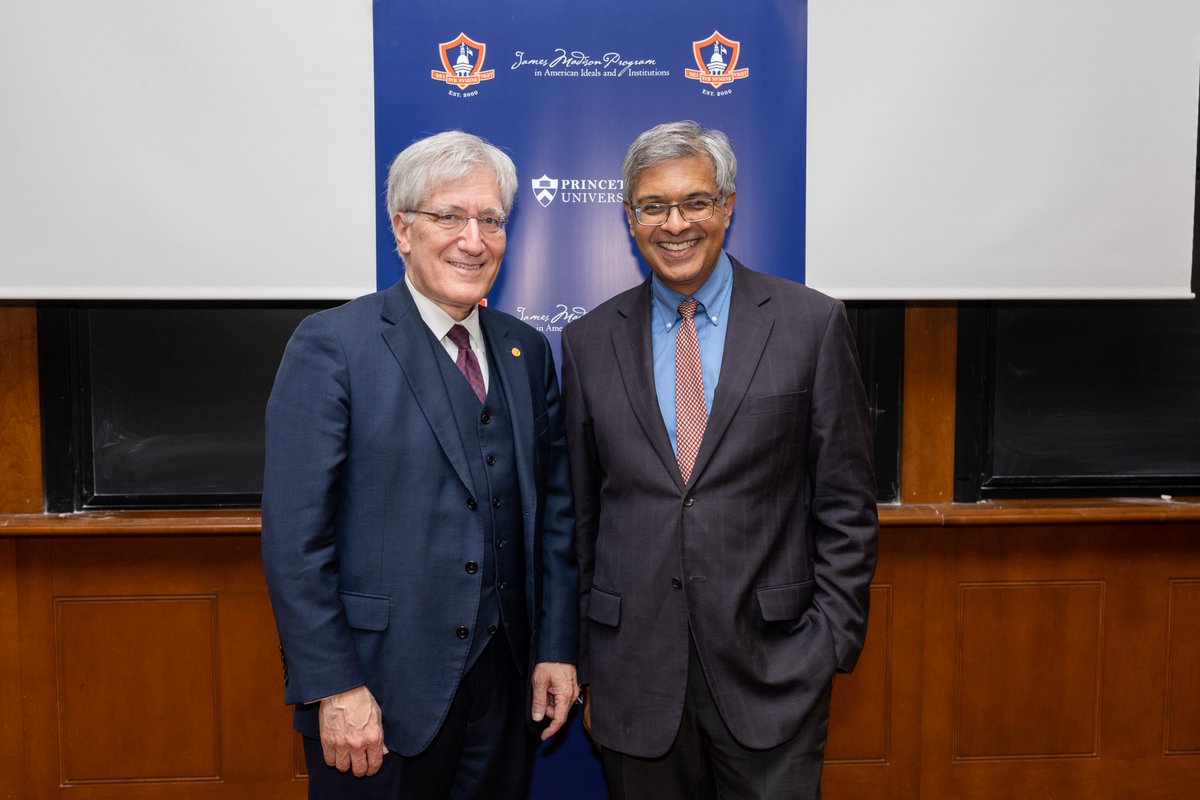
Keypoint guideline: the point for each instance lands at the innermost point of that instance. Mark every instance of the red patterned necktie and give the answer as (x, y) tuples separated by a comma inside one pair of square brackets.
[(691, 415), (467, 363)]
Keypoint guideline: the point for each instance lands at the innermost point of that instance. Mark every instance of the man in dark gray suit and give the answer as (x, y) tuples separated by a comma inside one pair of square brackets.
[(726, 525)]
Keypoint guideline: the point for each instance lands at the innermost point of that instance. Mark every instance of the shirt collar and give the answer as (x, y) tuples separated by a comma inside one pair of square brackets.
[(439, 321), (710, 295)]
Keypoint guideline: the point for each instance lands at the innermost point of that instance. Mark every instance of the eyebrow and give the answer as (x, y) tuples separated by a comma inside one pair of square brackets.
[(656, 198), (446, 208)]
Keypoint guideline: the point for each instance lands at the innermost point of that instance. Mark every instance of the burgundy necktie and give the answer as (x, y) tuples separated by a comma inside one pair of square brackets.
[(691, 415), (467, 363)]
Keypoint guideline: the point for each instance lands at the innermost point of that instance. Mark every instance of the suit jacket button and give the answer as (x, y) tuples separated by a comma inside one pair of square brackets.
[(689, 501), (471, 504), (491, 629), (501, 586), (495, 502), (462, 631), (485, 419), (472, 567), (491, 460), (676, 583)]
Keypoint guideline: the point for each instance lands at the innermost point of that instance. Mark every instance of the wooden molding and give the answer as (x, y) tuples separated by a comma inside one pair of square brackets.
[(248, 522), (927, 422), (20, 415), (219, 522)]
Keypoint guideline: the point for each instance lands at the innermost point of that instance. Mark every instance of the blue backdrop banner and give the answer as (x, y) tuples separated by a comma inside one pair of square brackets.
[(564, 88)]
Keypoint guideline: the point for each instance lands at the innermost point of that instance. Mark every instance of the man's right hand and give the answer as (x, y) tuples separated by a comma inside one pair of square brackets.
[(352, 732)]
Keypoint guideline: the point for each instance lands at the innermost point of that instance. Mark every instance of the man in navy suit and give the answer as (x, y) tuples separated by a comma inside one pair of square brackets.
[(726, 525), (417, 518)]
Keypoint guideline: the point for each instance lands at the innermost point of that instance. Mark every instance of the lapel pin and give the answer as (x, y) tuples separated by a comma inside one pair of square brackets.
[(516, 351)]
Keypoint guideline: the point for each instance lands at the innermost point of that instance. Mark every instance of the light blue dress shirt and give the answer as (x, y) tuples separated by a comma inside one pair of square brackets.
[(710, 321)]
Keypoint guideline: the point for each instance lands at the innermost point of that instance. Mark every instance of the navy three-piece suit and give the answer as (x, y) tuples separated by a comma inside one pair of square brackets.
[(401, 527)]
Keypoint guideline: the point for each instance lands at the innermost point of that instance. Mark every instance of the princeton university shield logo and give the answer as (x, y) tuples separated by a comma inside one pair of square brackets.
[(544, 189)]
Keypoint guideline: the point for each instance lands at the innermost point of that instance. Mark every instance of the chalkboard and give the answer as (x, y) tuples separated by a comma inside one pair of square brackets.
[(1077, 399), (160, 405)]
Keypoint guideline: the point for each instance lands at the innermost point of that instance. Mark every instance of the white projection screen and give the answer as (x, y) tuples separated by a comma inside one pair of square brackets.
[(1020, 149), (173, 149), (162, 149)]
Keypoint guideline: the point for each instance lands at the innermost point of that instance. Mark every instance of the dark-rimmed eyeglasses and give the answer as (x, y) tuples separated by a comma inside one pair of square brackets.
[(694, 209), (489, 224)]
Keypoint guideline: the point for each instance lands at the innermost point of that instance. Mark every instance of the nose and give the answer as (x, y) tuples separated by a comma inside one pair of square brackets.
[(675, 222), (470, 237)]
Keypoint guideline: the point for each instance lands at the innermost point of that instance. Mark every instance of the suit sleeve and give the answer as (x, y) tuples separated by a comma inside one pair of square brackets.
[(843, 510), (585, 477), (558, 626), (308, 421)]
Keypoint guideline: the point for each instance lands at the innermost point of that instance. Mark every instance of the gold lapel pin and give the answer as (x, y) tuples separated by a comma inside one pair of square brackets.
[(516, 351)]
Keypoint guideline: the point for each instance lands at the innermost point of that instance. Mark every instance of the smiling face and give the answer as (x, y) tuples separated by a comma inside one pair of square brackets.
[(681, 253), (454, 269)]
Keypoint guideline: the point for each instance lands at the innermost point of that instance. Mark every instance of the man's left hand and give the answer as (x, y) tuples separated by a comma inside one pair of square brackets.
[(554, 690)]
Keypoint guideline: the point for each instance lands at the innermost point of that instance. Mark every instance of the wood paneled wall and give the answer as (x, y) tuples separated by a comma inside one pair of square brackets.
[(149, 670), (1054, 661), (1028, 649)]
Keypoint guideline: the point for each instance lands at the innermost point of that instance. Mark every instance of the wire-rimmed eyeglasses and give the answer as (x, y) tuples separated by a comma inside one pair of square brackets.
[(694, 209), (489, 224)]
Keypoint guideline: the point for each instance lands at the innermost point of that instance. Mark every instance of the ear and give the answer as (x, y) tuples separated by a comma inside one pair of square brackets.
[(401, 230), (630, 218), (729, 201)]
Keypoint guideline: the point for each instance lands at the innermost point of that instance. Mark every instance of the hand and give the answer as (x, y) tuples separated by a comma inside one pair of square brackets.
[(554, 690), (352, 732)]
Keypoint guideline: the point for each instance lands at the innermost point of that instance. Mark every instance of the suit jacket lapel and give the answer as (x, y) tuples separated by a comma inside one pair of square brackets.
[(746, 338), (635, 359), (407, 336)]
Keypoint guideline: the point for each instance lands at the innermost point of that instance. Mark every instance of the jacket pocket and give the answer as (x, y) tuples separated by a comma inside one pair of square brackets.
[(368, 612), (781, 603), (604, 607), (776, 403)]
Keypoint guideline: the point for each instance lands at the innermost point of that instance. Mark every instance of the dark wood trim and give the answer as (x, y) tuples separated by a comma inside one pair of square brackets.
[(20, 417), (11, 740), (132, 523), (997, 513), (927, 435), (940, 515)]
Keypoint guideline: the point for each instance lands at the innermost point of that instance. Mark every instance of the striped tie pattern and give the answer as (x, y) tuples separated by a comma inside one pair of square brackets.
[(691, 415), (467, 363)]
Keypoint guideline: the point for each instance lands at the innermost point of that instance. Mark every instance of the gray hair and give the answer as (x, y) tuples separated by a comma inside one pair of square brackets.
[(680, 140), (444, 158)]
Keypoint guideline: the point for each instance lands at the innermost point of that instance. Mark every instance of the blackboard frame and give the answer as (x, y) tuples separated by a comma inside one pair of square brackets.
[(976, 476), (68, 459)]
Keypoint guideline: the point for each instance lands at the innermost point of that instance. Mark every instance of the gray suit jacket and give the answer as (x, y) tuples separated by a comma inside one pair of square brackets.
[(766, 555)]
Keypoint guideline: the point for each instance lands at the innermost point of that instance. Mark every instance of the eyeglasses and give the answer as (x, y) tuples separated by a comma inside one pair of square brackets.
[(489, 224), (695, 209)]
